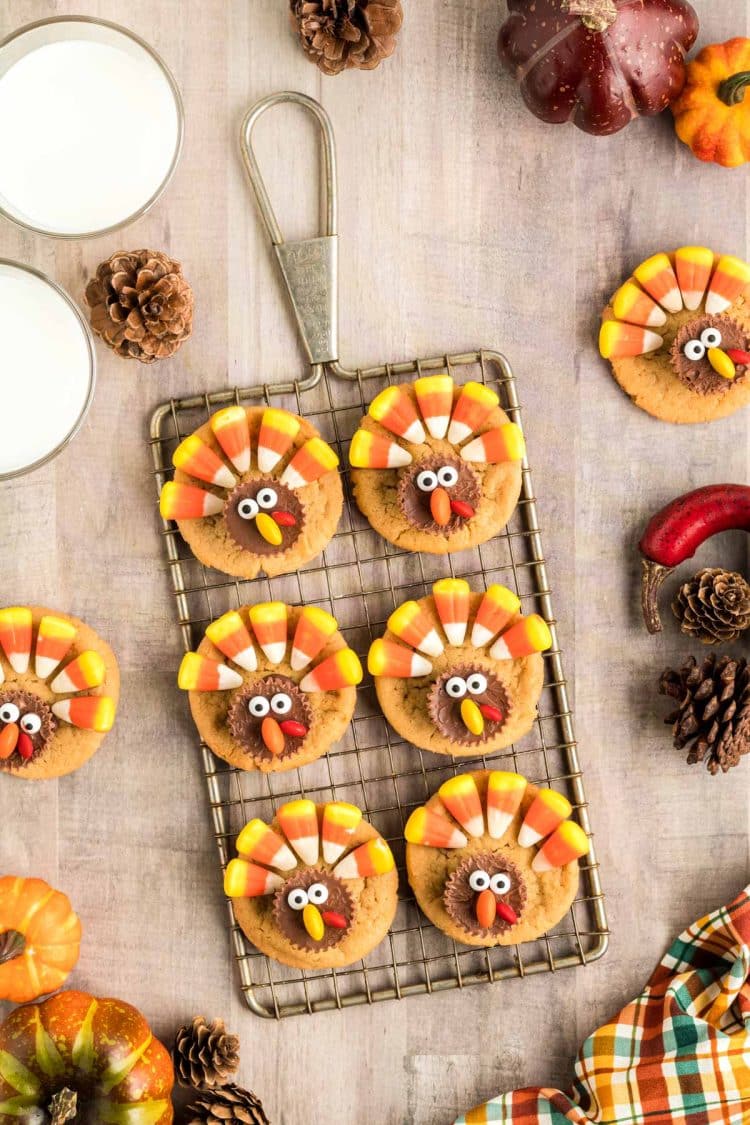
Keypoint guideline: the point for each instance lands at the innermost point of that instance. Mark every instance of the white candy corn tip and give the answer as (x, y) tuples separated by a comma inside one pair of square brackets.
[(420, 666), (716, 304), (19, 661), (431, 644), (307, 849), (398, 457), (332, 851), (480, 636), (475, 827), (474, 451), (299, 660), (672, 301), (44, 666), (541, 864), (275, 652), (292, 479), (528, 836), (224, 478), (268, 459), (458, 432), (415, 434), (498, 823), (228, 678), (438, 425), (62, 684), (61, 709), (500, 650), (247, 659), (692, 299), (455, 631)]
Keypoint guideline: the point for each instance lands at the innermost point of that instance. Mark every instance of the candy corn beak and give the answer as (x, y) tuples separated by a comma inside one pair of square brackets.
[(721, 363), (8, 740), (486, 909), (313, 922), (472, 717), (273, 736), (440, 506)]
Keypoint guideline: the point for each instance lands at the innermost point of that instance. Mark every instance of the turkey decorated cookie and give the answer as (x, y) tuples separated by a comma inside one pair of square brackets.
[(317, 888), (271, 687), (59, 687), (492, 859), (254, 490), (677, 335), (460, 673), (435, 467)]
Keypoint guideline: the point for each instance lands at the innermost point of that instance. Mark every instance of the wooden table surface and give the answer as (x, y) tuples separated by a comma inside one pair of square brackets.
[(463, 222)]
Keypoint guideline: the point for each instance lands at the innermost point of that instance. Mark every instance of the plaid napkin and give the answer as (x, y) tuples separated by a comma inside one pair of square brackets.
[(677, 1055)]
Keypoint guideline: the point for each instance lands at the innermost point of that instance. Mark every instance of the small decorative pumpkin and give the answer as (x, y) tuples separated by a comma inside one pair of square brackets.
[(598, 63), (77, 1058), (712, 115), (40, 937)]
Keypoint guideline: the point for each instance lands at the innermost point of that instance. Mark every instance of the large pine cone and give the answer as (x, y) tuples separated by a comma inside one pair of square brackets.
[(229, 1105), (141, 305), (205, 1054), (712, 719), (337, 34), (714, 606)]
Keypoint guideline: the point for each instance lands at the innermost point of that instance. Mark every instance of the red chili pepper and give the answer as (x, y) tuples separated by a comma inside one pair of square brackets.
[(293, 729), (493, 714), (462, 509), (331, 918), (284, 519), (25, 746), (507, 913), (742, 359)]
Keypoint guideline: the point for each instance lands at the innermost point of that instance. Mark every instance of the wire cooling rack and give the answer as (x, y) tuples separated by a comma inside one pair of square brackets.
[(361, 579)]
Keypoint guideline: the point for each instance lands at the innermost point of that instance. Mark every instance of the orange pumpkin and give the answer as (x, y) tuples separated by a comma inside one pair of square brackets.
[(40, 937), (712, 114)]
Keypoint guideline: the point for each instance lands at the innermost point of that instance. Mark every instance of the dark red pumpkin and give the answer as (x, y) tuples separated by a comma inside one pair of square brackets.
[(598, 63)]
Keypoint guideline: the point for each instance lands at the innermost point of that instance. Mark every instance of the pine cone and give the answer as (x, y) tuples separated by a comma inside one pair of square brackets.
[(714, 606), (205, 1054), (337, 34), (712, 719), (141, 305), (229, 1105)]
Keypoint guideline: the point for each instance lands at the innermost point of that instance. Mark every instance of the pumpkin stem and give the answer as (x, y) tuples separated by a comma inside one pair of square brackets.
[(732, 90), (12, 945), (596, 15), (63, 1107)]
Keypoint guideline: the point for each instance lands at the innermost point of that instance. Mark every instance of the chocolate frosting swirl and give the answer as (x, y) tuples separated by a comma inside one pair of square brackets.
[(246, 728), (445, 711), (459, 898), (699, 375), (245, 532), (26, 702), (415, 504), (290, 921)]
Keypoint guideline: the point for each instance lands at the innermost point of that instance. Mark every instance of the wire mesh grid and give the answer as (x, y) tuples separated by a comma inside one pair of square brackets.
[(361, 579)]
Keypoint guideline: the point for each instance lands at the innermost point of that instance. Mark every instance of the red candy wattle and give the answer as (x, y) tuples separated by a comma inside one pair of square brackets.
[(507, 913), (337, 921), (292, 729), (492, 714), (284, 519), (25, 746), (462, 509)]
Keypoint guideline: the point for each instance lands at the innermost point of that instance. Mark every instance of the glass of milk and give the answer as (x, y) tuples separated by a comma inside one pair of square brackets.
[(91, 125), (47, 369)]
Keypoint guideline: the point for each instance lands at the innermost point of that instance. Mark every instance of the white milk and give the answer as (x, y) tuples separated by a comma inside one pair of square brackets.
[(89, 128), (45, 369)]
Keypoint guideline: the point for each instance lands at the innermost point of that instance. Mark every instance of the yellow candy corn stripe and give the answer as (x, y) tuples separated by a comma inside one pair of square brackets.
[(230, 635), (246, 880), (299, 823), (473, 406), (278, 429), (498, 606), (730, 278), (566, 844), (371, 858), (505, 792), (386, 658), (15, 636), (342, 669), (431, 830), (435, 397), (194, 457), (632, 304), (412, 623), (87, 712), (694, 266), (232, 432), (309, 463), (199, 673), (529, 635), (187, 502), (496, 447), (53, 640), (269, 622), (548, 809), (395, 411), (315, 627), (461, 798), (340, 821), (260, 843), (657, 277), (371, 451), (452, 604), (87, 671)]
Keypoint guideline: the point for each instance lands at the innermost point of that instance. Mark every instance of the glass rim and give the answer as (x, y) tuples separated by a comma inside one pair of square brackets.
[(179, 106)]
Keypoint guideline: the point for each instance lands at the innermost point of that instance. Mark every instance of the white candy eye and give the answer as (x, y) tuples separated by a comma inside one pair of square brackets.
[(479, 881), (31, 723), (456, 687), (9, 713), (281, 704), (427, 481), (267, 498), (259, 706), (297, 898), (247, 509), (447, 476), (711, 338), (476, 683), (694, 350), (318, 894), (500, 883)]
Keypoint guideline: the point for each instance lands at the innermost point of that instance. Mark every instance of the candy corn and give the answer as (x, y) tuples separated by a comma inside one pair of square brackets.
[(88, 712), (260, 843), (412, 623), (386, 658), (630, 303), (619, 341), (53, 640), (568, 842), (247, 880), (86, 671), (314, 629), (434, 831), (504, 795), (496, 447), (341, 670), (230, 635), (498, 606), (309, 464), (371, 451), (278, 429), (199, 673), (372, 858), (395, 411), (452, 604), (461, 798), (339, 823), (197, 459), (233, 435), (15, 636), (435, 397), (530, 634), (658, 279), (694, 265), (548, 809), (269, 622), (475, 403), (299, 823), (187, 502), (730, 278)]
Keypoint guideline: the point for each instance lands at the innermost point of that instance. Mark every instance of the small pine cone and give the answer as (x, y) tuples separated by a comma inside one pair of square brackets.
[(205, 1054), (712, 719), (229, 1105), (141, 305), (337, 34), (714, 606)]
